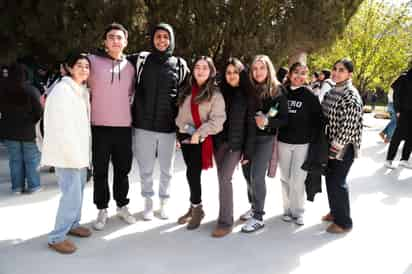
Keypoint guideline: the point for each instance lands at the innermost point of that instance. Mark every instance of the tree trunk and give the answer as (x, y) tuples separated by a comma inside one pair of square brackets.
[(298, 56)]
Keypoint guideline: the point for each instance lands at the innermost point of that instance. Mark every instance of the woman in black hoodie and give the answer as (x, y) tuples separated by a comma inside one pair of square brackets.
[(20, 110), (303, 127), (235, 142)]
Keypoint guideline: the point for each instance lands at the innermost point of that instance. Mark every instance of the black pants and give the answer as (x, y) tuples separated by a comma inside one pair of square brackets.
[(192, 155), (115, 144), (403, 131), (337, 188)]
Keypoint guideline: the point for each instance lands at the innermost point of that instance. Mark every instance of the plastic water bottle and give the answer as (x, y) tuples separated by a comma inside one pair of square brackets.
[(273, 111)]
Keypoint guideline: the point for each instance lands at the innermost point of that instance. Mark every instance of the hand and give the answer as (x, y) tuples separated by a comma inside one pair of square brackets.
[(398, 115), (260, 121), (178, 145), (195, 138), (244, 162), (43, 100), (333, 152)]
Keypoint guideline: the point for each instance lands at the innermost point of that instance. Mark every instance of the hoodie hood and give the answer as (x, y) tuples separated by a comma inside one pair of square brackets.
[(169, 51)]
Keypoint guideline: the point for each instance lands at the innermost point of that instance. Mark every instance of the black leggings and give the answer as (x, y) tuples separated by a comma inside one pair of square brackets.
[(192, 155)]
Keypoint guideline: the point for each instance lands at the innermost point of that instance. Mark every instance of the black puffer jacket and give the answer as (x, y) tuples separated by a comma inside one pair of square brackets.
[(402, 92), (154, 106), (239, 128), (18, 120)]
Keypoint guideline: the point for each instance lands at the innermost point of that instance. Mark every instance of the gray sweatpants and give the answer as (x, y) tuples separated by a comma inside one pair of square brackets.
[(146, 144), (292, 176)]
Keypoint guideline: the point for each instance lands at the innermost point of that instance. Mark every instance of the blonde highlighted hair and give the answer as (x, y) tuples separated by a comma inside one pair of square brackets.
[(271, 86)]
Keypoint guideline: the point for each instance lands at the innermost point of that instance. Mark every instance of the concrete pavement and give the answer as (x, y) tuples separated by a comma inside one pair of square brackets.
[(381, 206)]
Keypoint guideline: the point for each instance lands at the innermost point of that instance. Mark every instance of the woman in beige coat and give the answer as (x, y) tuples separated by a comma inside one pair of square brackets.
[(201, 115)]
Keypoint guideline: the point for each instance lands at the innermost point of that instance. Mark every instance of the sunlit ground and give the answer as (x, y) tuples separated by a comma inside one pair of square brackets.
[(379, 242)]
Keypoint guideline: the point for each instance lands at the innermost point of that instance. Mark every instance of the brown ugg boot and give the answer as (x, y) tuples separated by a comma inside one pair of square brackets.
[(185, 218), (197, 216)]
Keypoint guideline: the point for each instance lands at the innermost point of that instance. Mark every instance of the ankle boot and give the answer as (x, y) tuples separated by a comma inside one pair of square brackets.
[(197, 216), (185, 218)]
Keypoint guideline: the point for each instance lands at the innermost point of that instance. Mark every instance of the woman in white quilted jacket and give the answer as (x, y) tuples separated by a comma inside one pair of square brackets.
[(67, 148)]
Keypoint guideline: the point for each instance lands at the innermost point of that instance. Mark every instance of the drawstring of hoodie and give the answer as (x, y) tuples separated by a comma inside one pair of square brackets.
[(113, 69)]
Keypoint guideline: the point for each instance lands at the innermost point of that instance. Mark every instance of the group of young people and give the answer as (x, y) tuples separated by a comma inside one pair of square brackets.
[(146, 104)]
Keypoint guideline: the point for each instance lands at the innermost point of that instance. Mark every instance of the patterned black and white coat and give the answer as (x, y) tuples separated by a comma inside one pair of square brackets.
[(342, 106)]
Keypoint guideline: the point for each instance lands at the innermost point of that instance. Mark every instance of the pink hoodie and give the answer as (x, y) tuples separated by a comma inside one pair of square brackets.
[(111, 85)]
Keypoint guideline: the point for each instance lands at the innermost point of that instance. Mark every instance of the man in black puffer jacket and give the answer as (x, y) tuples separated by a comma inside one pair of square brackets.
[(159, 78)]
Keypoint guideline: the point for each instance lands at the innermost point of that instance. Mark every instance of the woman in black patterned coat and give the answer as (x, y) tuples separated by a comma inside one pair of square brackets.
[(342, 107)]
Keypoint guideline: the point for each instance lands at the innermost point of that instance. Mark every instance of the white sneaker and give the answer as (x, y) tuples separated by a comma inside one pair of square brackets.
[(299, 221), (124, 214), (405, 164), (389, 164), (101, 220), (287, 218), (252, 225), (247, 215), (148, 209), (163, 209)]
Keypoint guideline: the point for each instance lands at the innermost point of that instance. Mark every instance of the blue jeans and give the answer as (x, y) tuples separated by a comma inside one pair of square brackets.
[(390, 127), (71, 182), (24, 160)]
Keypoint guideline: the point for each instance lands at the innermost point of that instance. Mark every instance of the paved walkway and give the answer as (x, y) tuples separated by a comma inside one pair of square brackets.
[(379, 242)]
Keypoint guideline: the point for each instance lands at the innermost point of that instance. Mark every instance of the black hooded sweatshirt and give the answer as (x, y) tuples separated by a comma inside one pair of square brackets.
[(154, 107), (304, 117)]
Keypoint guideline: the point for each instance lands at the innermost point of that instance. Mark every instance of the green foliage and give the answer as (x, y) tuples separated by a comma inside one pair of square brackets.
[(378, 39), (48, 29), (218, 28)]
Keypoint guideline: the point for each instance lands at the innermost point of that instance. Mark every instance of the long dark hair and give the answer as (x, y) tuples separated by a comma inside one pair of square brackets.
[(292, 68), (12, 94), (244, 82), (348, 64), (207, 89), (245, 86)]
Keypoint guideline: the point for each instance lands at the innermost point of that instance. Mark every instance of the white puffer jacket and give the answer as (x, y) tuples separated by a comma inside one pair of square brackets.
[(67, 134)]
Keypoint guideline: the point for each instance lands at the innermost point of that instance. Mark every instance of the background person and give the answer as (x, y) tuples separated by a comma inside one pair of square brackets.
[(20, 110)]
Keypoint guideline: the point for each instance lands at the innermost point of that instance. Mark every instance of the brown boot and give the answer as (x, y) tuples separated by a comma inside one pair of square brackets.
[(81, 231), (65, 247), (328, 218), (335, 229), (221, 231), (185, 218), (197, 216)]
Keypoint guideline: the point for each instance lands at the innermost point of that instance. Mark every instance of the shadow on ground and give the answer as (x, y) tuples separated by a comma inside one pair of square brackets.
[(278, 247)]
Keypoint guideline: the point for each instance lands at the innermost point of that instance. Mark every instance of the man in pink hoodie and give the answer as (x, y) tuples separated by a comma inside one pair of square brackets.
[(111, 84)]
